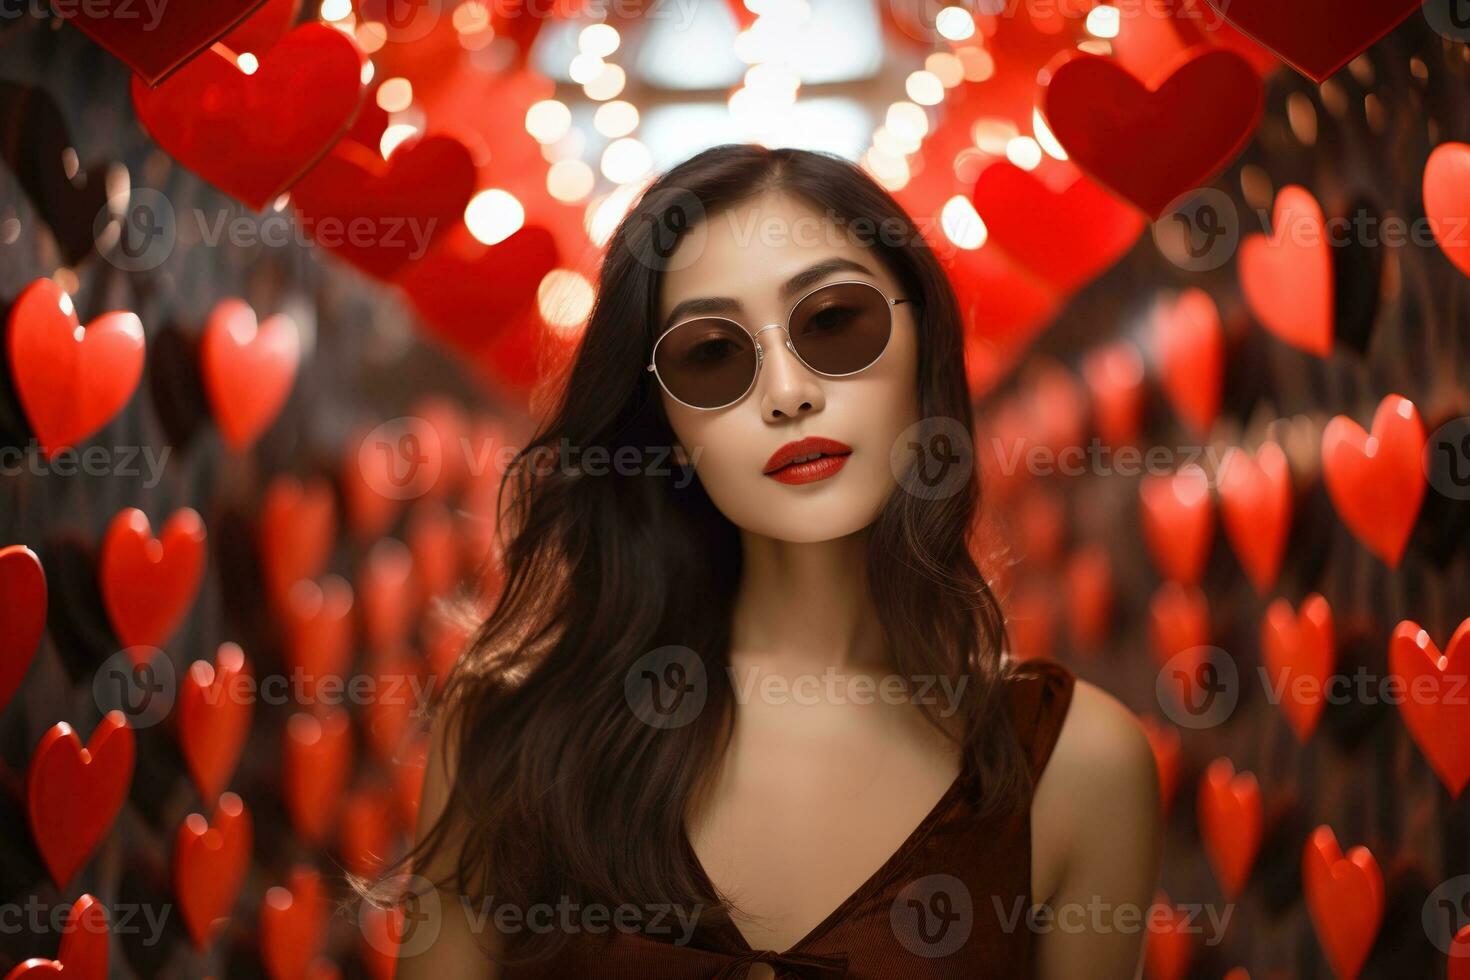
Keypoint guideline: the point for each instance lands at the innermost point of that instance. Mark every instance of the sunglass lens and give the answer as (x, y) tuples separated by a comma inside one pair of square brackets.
[(841, 328), (706, 363)]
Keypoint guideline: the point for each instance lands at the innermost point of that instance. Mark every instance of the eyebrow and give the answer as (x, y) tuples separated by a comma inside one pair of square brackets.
[(809, 276)]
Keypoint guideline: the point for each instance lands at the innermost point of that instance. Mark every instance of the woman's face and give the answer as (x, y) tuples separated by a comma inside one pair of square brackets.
[(748, 254)]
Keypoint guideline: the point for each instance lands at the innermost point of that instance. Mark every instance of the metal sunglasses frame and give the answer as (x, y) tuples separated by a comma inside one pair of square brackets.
[(760, 355)]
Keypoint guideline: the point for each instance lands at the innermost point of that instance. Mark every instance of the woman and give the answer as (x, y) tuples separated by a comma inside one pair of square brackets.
[(742, 707)]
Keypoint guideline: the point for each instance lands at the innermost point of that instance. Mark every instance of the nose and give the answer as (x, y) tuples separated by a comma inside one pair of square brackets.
[(787, 388)]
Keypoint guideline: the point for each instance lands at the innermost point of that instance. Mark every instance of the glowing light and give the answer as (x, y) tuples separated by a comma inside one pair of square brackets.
[(598, 40), (569, 180), (1045, 137), (1103, 21), (777, 82), (564, 299), (946, 67), (1024, 152), (992, 134), (471, 18), (548, 120), (494, 215), (367, 72), (395, 94), (962, 224), (602, 216), (907, 121), (336, 9), (584, 68), (370, 37), (925, 88), (248, 63), (954, 24), (978, 64), (886, 140), (889, 170), (608, 83), (393, 136), (614, 119), (625, 159)]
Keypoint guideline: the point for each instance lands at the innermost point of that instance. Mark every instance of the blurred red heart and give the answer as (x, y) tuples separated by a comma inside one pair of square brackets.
[(211, 857), (1067, 236), (1434, 709), (1031, 619), (1459, 956), (1114, 376), (386, 594), (1191, 351), (460, 455), (1231, 824), (22, 615), (245, 128), (1299, 653), (148, 583), (293, 924), (1255, 507), (1287, 277), (408, 780), (1179, 620), (1149, 140), (1178, 517), (365, 831), (1345, 898), (214, 718), (155, 42), (73, 794), (83, 952), (1447, 201), (398, 690), (1169, 943), (1376, 482), (1089, 580), (1317, 37), (1196, 21), (318, 625), (434, 539), (259, 32), (317, 762), (71, 381), (381, 215), (1168, 756), (248, 369), (296, 532)]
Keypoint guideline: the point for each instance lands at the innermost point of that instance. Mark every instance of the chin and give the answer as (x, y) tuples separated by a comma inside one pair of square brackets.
[(802, 514)]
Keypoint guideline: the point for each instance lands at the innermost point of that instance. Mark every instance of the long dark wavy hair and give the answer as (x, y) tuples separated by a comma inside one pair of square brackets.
[(564, 791)]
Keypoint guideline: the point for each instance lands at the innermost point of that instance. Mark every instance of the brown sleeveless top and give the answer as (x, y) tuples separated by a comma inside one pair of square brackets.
[(951, 902)]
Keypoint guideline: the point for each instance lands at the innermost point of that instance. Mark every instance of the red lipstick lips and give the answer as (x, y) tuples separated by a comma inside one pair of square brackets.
[(807, 460)]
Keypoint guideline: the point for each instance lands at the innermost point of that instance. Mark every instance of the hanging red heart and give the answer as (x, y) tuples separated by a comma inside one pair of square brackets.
[(259, 32), (1376, 482), (155, 42), (318, 627), (71, 381), (293, 924), (1179, 522), (1287, 277), (1169, 946), (298, 523), (1459, 956), (1089, 579), (244, 127), (1150, 141), (1179, 621), (211, 857), (1114, 376), (1191, 350), (318, 759), (1447, 201), (365, 831), (399, 690), (1231, 824), (1345, 898), (73, 794), (386, 589), (214, 718), (1317, 37), (1067, 236), (1433, 705), (1168, 751), (22, 615), (148, 583), (1198, 22), (248, 369), (83, 953), (1299, 651), (434, 539), (381, 215), (1255, 507)]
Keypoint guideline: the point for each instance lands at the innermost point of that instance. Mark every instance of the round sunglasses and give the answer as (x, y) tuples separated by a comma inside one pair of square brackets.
[(836, 330)]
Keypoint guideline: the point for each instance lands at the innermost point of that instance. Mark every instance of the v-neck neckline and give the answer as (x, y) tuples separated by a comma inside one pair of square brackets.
[(885, 870)]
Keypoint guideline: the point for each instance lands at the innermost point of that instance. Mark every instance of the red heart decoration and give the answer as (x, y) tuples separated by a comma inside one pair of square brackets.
[(22, 615), (1178, 522), (1067, 236), (387, 590), (1168, 752), (214, 718), (1194, 20), (292, 924), (210, 860), (1231, 824), (148, 583), (385, 466), (1434, 711), (1255, 507), (408, 779), (262, 29), (318, 626), (365, 832), (1345, 898), (1459, 968), (71, 381), (83, 953), (1114, 376), (1287, 277), (1299, 648), (1169, 946), (318, 759), (73, 794), (1148, 141), (434, 540), (248, 369), (1179, 631), (1089, 595), (250, 133), (297, 527), (1191, 350), (1447, 201), (1317, 37), (398, 691), (404, 203), (155, 43), (1376, 482)]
